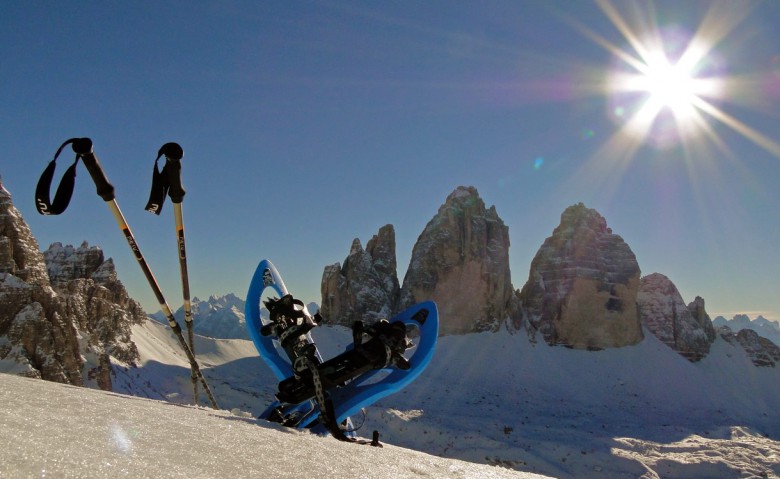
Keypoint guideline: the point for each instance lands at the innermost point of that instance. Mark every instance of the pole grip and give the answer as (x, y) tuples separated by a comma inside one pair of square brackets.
[(83, 148), (173, 154)]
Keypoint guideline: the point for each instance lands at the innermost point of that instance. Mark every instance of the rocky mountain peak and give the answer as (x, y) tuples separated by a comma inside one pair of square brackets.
[(764, 327), (579, 217), (687, 330), (461, 261), (68, 330), (381, 248), (582, 286)]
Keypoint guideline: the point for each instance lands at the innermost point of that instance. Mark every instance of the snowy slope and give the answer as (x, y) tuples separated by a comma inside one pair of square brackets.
[(570, 413), (497, 399), (52, 430)]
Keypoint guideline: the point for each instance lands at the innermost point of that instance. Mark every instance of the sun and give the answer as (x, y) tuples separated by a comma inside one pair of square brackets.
[(663, 92), (666, 84)]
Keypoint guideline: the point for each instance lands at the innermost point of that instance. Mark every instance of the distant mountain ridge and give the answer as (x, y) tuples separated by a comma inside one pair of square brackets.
[(765, 327), (220, 317)]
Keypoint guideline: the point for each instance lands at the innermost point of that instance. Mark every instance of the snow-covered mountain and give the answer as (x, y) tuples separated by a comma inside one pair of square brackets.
[(761, 325), (217, 317), (496, 398)]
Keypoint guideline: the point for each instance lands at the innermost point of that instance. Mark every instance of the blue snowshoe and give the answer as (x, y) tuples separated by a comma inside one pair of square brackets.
[(323, 395)]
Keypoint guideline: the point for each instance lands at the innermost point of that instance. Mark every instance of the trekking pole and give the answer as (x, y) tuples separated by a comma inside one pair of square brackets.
[(168, 181), (83, 149)]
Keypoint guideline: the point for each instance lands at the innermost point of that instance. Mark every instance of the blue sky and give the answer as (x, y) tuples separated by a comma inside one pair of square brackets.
[(307, 124)]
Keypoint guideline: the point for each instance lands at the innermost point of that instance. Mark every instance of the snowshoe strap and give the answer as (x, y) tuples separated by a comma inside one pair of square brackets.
[(303, 357), (65, 189), (327, 411), (166, 182)]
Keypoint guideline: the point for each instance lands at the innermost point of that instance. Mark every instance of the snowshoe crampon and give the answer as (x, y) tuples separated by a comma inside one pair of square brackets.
[(322, 395)]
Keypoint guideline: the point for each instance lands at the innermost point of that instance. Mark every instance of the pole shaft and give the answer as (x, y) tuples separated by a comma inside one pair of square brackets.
[(185, 286), (120, 219), (185, 280)]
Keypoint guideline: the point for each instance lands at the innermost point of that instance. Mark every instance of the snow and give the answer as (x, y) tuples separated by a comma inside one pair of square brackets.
[(52, 430), (9, 281), (705, 456), (562, 412), (489, 398)]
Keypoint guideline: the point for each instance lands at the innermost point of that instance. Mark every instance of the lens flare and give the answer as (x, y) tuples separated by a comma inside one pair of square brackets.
[(666, 85), (121, 440), (587, 134)]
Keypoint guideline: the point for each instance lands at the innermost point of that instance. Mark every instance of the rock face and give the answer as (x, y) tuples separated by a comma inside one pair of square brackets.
[(66, 263), (461, 261), (66, 330), (696, 307), (20, 255), (686, 329), (582, 287), (366, 287), (762, 352)]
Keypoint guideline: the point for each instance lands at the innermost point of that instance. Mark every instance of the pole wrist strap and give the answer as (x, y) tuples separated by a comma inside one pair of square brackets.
[(64, 191)]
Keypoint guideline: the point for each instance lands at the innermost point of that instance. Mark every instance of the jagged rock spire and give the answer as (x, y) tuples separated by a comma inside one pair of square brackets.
[(20, 254), (461, 261), (366, 286)]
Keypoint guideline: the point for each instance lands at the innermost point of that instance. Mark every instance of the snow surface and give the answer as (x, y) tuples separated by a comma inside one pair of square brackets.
[(489, 398), (53, 430)]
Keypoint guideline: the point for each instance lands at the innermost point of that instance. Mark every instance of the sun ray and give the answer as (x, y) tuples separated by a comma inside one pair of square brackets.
[(719, 21), (606, 44), (740, 127), (617, 20)]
